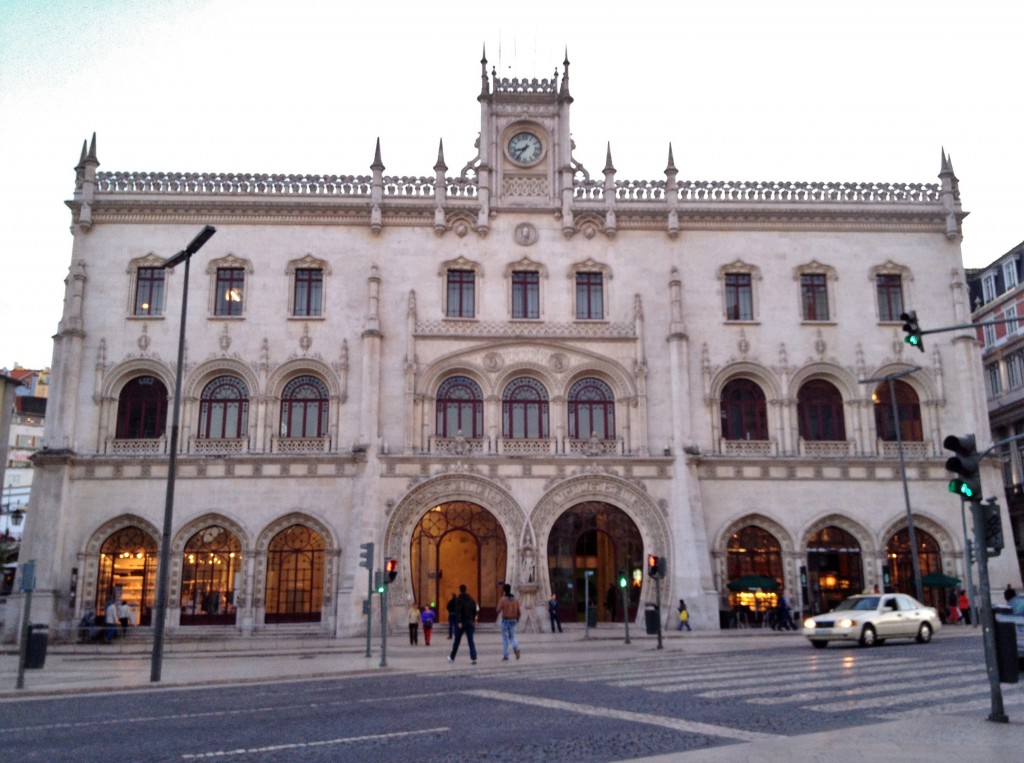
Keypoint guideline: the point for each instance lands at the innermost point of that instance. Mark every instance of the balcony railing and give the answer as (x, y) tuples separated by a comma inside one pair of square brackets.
[(141, 447), (209, 446), (300, 444), (748, 448)]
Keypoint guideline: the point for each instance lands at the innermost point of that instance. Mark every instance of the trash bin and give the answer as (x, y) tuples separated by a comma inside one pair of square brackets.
[(592, 617), (652, 618), (1006, 652), (35, 654)]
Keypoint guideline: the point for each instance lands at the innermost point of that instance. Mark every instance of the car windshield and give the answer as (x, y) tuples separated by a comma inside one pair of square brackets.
[(858, 602)]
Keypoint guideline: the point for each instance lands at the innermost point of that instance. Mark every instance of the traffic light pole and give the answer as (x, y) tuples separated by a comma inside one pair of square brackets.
[(625, 609), (384, 624), (998, 715), (969, 553), (657, 600)]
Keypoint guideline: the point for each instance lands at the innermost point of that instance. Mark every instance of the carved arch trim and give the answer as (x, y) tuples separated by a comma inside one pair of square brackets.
[(932, 526), (309, 262), (857, 530), (746, 370), (212, 369), (125, 371), (298, 367), (764, 522), (446, 488), (844, 381)]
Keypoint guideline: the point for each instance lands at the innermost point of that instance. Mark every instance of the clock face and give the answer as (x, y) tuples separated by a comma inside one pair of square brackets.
[(524, 148)]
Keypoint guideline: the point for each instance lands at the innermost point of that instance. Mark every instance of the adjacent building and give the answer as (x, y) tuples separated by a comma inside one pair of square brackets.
[(517, 369), (997, 298)]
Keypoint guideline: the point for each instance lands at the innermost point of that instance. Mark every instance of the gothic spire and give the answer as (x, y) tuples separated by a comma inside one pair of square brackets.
[(563, 91), (440, 166), (608, 166), (377, 163), (671, 162)]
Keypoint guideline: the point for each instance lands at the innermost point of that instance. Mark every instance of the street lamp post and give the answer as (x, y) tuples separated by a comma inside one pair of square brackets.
[(912, 536), (163, 573)]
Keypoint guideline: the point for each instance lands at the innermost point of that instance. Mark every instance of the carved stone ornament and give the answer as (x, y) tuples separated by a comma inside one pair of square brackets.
[(493, 361), (526, 234)]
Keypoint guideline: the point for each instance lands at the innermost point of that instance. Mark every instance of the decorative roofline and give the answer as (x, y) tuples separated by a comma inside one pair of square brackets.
[(360, 186)]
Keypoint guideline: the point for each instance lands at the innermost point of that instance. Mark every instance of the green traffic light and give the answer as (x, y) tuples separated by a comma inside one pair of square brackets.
[(622, 582), (961, 488), (914, 340)]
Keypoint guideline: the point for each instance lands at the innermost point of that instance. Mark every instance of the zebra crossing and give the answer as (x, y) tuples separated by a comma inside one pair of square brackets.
[(885, 684)]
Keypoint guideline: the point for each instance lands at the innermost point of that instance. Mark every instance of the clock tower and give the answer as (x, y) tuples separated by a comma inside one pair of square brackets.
[(525, 145)]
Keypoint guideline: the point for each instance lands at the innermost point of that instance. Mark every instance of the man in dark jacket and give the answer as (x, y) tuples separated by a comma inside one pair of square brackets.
[(453, 617), (465, 612)]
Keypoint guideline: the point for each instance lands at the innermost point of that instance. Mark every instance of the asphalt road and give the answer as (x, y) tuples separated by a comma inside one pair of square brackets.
[(601, 710)]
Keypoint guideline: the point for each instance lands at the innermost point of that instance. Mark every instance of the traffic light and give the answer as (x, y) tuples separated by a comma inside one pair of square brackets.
[(965, 463), (913, 330), (886, 577), (378, 581), (803, 574), (993, 523), (391, 570), (623, 582), (655, 566), (366, 555)]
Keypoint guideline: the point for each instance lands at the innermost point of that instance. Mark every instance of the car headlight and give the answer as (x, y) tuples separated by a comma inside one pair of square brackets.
[(846, 623), (810, 624)]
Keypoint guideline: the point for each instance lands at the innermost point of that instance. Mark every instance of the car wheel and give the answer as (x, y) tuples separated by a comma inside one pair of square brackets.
[(819, 644), (925, 634), (868, 637)]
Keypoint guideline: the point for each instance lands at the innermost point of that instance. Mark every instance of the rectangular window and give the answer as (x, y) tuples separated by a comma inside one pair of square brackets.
[(1015, 371), (995, 388), (890, 297), (589, 296), (990, 335), (988, 287), (814, 296), (1010, 274), (309, 290), (230, 288), (739, 297), (461, 294), (149, 291), (526, 294), (1008, 314)]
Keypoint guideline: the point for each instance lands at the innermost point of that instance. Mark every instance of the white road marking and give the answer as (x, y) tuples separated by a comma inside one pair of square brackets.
[(676, 724), (302, 745), (896, 699), (848, 691)]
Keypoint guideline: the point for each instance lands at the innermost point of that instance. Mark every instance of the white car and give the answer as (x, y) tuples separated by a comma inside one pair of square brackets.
[(871, 619)]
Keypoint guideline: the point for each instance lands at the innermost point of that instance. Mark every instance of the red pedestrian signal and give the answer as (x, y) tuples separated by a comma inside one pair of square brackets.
[(391, 569)]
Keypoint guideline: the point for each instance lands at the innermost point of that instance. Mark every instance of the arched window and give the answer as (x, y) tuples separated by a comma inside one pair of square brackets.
[(295, 576), (224, 409), (304, 408), (834, 568), (907, 414), (524, 410), (210, 571), (820, 409), (142, 409), (127, 572), (460, 408), (591, 410), (900, 559), (744, 412)]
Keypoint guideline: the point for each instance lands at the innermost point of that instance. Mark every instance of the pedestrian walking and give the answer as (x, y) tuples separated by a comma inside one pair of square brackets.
[(124, 616), (553, 613), (111, 620), (784, 614), (965, 606), (1009, 593), (452, 615), (684, 617), (465, 616), (427, 618), (953, 602), (414, 624), (508, 608)]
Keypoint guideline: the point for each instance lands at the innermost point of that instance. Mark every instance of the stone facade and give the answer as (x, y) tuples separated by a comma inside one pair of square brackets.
[(520, 275)]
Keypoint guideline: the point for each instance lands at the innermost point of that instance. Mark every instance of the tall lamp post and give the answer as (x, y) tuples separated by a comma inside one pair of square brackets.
[(912, 536), (163, 573)]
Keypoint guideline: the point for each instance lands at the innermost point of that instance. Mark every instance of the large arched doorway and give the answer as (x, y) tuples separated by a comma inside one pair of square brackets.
[(127, 572), (589, 546), (295, 576), (458, 543), (210, 576), (901, 565), (834, 568)]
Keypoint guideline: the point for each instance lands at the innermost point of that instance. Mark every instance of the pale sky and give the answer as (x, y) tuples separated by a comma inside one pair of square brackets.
[(749, 90)]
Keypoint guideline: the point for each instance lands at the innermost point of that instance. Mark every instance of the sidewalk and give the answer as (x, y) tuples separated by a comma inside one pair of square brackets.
[(126, 665)]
